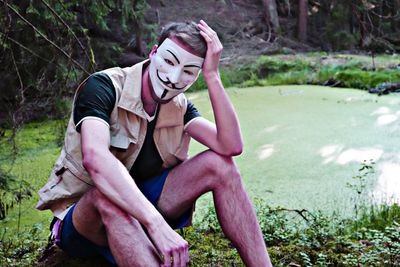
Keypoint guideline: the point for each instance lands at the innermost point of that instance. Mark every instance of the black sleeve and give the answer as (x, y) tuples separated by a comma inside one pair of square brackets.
[(96, 99), (191, 113)]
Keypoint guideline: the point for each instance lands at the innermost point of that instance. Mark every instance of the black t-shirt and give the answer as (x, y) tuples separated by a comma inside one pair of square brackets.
[(97, 99)]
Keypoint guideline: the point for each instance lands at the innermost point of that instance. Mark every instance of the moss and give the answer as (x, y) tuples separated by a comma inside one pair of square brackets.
[(352, 71), (33, 137), (266, 66), (210, 248)]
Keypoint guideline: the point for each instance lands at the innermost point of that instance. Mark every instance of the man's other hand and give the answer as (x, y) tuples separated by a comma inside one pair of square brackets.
[(172, 247)]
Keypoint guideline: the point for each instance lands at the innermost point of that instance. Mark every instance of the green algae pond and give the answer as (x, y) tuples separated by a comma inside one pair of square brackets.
[(304, 144)]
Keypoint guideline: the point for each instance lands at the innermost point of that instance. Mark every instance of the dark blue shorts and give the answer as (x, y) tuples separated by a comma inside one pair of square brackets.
[(78, 246)]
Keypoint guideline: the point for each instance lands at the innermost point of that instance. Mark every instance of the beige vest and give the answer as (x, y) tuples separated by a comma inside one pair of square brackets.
[(69, 180)]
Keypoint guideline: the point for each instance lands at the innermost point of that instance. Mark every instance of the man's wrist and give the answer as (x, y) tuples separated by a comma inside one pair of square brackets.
[(211, 77), (153, 222)]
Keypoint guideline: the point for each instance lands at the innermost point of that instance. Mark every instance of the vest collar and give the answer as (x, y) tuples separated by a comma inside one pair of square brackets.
[(131, 99), (131, 95)]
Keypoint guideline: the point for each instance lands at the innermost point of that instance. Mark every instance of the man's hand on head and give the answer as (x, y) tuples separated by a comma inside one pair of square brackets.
[(214, 50), (224, 136)]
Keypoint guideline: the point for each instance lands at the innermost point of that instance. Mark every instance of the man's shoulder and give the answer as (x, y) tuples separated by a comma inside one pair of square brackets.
[(112, 71)]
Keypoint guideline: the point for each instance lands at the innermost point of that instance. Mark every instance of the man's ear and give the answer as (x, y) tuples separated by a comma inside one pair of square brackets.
[(153, 51)]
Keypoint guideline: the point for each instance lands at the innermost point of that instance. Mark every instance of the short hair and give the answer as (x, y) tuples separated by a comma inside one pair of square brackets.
[(188, 33)]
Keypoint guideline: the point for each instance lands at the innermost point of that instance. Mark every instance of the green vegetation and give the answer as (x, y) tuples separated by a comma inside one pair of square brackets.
[(367, 235), (295, 145), (49, 47), (340, 70), (315, 240)]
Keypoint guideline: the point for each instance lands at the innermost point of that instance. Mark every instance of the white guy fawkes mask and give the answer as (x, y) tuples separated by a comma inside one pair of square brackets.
[(173, 70)]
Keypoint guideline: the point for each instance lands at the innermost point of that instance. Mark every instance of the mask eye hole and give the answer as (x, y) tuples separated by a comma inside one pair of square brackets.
[(188, 72), (169, 62)]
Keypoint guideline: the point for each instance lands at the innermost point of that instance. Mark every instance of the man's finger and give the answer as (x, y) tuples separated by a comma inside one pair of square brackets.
[(182, 256), (203, 23), (176, 258), (206, 37), (207, 29), (187, 258), (167, 260)]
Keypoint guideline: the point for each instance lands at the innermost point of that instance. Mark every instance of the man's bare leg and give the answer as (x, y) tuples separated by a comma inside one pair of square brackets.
[(103, 223), (209, 171)]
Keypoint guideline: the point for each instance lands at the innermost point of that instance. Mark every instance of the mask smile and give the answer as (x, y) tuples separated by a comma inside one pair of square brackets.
[(168, 83)]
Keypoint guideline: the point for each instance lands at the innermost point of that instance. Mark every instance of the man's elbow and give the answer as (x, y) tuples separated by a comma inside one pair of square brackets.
[(90, 159), (235, 150)]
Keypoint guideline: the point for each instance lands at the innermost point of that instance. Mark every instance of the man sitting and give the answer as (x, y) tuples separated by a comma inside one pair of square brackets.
[(123, 180)]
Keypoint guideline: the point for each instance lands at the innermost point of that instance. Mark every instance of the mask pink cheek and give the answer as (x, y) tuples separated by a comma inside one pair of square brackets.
[(160, 65), (187, 81), (161, 68)]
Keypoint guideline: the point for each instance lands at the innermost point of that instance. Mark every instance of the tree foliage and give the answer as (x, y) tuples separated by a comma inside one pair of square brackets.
[(46, 48), (372, 25), (48, 45), (363, 24)]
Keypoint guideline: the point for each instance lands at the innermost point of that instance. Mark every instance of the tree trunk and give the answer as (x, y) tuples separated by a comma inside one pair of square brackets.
[(351, 13), (138, 39), (138, 30), (271, 14), (380, 10), (395, 21), (365, 33), (302, 21)]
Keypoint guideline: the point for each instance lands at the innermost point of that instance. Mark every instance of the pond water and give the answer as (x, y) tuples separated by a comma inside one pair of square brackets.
[(303, 144)]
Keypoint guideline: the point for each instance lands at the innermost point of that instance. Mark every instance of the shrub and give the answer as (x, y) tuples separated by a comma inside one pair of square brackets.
[(266, 66), (271, 70), (200, 84), (21, 249), (371, 237)]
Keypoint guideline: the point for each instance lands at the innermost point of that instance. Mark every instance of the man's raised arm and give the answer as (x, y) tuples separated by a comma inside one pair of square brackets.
[(224, 137)]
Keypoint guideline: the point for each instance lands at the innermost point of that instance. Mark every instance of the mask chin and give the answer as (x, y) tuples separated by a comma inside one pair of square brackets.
[(161, 98)]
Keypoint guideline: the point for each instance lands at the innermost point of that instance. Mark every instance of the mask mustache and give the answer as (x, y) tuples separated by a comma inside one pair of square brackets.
[(168, 83), (173, 85)]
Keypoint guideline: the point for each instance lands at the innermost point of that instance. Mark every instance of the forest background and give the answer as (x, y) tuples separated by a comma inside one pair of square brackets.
[(49, 46)]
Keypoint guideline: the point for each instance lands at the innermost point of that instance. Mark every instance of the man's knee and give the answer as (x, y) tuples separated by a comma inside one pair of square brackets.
[(222, 168)]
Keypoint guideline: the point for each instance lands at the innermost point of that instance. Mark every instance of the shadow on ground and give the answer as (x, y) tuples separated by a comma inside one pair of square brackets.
[(55, 257)]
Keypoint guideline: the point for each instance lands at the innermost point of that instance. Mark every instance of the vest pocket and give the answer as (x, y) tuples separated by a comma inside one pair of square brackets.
[(120, 142), (73, 184), (64, 183)]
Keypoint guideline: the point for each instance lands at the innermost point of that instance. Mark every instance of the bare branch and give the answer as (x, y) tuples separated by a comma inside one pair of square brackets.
[(45, 37), (27, 49), (71, 31), (301, 213), (21, 84)]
